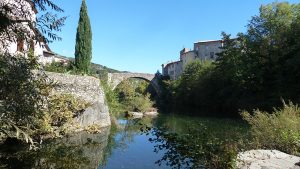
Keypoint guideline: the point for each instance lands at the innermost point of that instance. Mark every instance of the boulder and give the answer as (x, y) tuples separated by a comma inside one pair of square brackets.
[(88, 89), (152, 113), (135, 115), (267, 159), (97, 114)]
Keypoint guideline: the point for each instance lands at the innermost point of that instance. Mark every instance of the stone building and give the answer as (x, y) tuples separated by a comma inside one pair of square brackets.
[(25, 10), (207, 50), (187, 56), (173, 69), (203, 50)]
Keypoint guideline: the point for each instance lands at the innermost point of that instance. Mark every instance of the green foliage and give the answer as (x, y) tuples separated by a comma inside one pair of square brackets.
[(22, 94), (195, 149), (58, 67), (26, 106), (47, 22), (111, 98), (63, 107), (280, 130), (132, 94), (140, 103), (254, 70), (83, 47)]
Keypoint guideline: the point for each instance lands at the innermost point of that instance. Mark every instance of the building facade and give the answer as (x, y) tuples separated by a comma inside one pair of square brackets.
[(207, 50), (187, 56), (203, 50), (173, 69), (25, 10)]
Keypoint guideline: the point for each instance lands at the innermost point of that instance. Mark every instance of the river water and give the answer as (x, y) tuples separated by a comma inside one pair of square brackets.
[(148, 143)]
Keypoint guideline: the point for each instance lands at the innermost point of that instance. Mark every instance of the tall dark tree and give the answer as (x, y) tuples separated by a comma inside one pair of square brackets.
[(83, 48)]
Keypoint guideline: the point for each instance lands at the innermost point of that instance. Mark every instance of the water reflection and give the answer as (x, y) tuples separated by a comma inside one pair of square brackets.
[(167, 142), (82, 150)]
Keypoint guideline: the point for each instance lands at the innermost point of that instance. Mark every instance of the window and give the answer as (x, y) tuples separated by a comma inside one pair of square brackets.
[(20, 45)]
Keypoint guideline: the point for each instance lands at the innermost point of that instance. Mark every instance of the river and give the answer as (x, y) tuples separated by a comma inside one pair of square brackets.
[(167, 141)]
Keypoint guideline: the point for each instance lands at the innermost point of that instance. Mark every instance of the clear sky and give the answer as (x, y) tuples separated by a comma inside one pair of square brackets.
[(140, 35)]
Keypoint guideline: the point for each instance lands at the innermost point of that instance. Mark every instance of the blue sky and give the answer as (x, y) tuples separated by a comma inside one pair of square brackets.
[(140, 35)]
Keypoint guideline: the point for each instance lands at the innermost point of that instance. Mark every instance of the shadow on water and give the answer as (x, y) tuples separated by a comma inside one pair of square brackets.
[(168, 141), (82, 150)]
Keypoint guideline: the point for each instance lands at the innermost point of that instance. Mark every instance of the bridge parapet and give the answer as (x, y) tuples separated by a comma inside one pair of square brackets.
[(114, 79)]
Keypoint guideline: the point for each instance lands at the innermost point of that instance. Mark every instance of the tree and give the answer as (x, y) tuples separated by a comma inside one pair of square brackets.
[(18, 21), (83, 47), (23, 92), (256, 69)]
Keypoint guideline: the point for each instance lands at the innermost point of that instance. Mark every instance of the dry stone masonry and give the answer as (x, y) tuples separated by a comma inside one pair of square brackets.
[(114, 79), (86, 88)]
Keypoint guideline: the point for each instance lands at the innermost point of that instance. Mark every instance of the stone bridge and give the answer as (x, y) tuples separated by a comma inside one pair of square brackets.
[(114, 79)]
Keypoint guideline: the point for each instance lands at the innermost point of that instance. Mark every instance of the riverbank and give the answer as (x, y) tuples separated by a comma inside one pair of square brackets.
[(60, 103), (124, 147), (145, 143)]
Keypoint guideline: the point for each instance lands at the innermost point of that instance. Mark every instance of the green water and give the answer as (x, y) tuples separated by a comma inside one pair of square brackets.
[(132, 144)]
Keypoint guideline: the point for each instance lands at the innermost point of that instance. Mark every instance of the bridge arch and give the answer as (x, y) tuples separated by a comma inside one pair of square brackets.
[(114, 79)]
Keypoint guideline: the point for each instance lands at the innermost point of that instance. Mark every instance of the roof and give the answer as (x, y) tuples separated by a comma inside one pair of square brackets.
[(47, 51), (172, 63), (208, 41)]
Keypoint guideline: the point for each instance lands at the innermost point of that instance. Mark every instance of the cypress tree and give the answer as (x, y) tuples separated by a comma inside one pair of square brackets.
[(83, 47)]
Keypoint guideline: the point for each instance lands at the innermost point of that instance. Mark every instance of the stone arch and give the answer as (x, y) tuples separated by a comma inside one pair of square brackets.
[(114, 79)]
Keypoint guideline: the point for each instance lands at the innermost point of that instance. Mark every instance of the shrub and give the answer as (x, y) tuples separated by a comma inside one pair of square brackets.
[(141, 103), (58, 67), (63, 107), (279, 130), (111, 99), (26, 107), (23, 93)]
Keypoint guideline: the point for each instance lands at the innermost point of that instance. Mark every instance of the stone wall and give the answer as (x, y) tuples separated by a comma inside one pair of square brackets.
[(114, 79), (89, 89)]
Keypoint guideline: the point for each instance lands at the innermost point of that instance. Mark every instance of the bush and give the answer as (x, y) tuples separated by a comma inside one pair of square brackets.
[(23, 93), (140, 103), (26, 107), (279, 130), (63, 107), (58, 67), (60, 111), (111, 99)]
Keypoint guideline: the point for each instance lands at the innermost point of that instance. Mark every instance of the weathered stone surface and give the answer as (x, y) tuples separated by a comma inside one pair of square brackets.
[(89, 89), (266, 159), (152, 113), (135, 115), (86, 87), (94, 115), (114, 79)]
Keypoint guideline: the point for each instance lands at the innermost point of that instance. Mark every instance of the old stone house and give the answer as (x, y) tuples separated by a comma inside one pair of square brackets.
[(25, 10), (203, 50)]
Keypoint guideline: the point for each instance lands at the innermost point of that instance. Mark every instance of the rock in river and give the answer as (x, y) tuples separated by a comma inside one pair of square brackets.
[(152, 113), (267, 159), (135, 115)]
